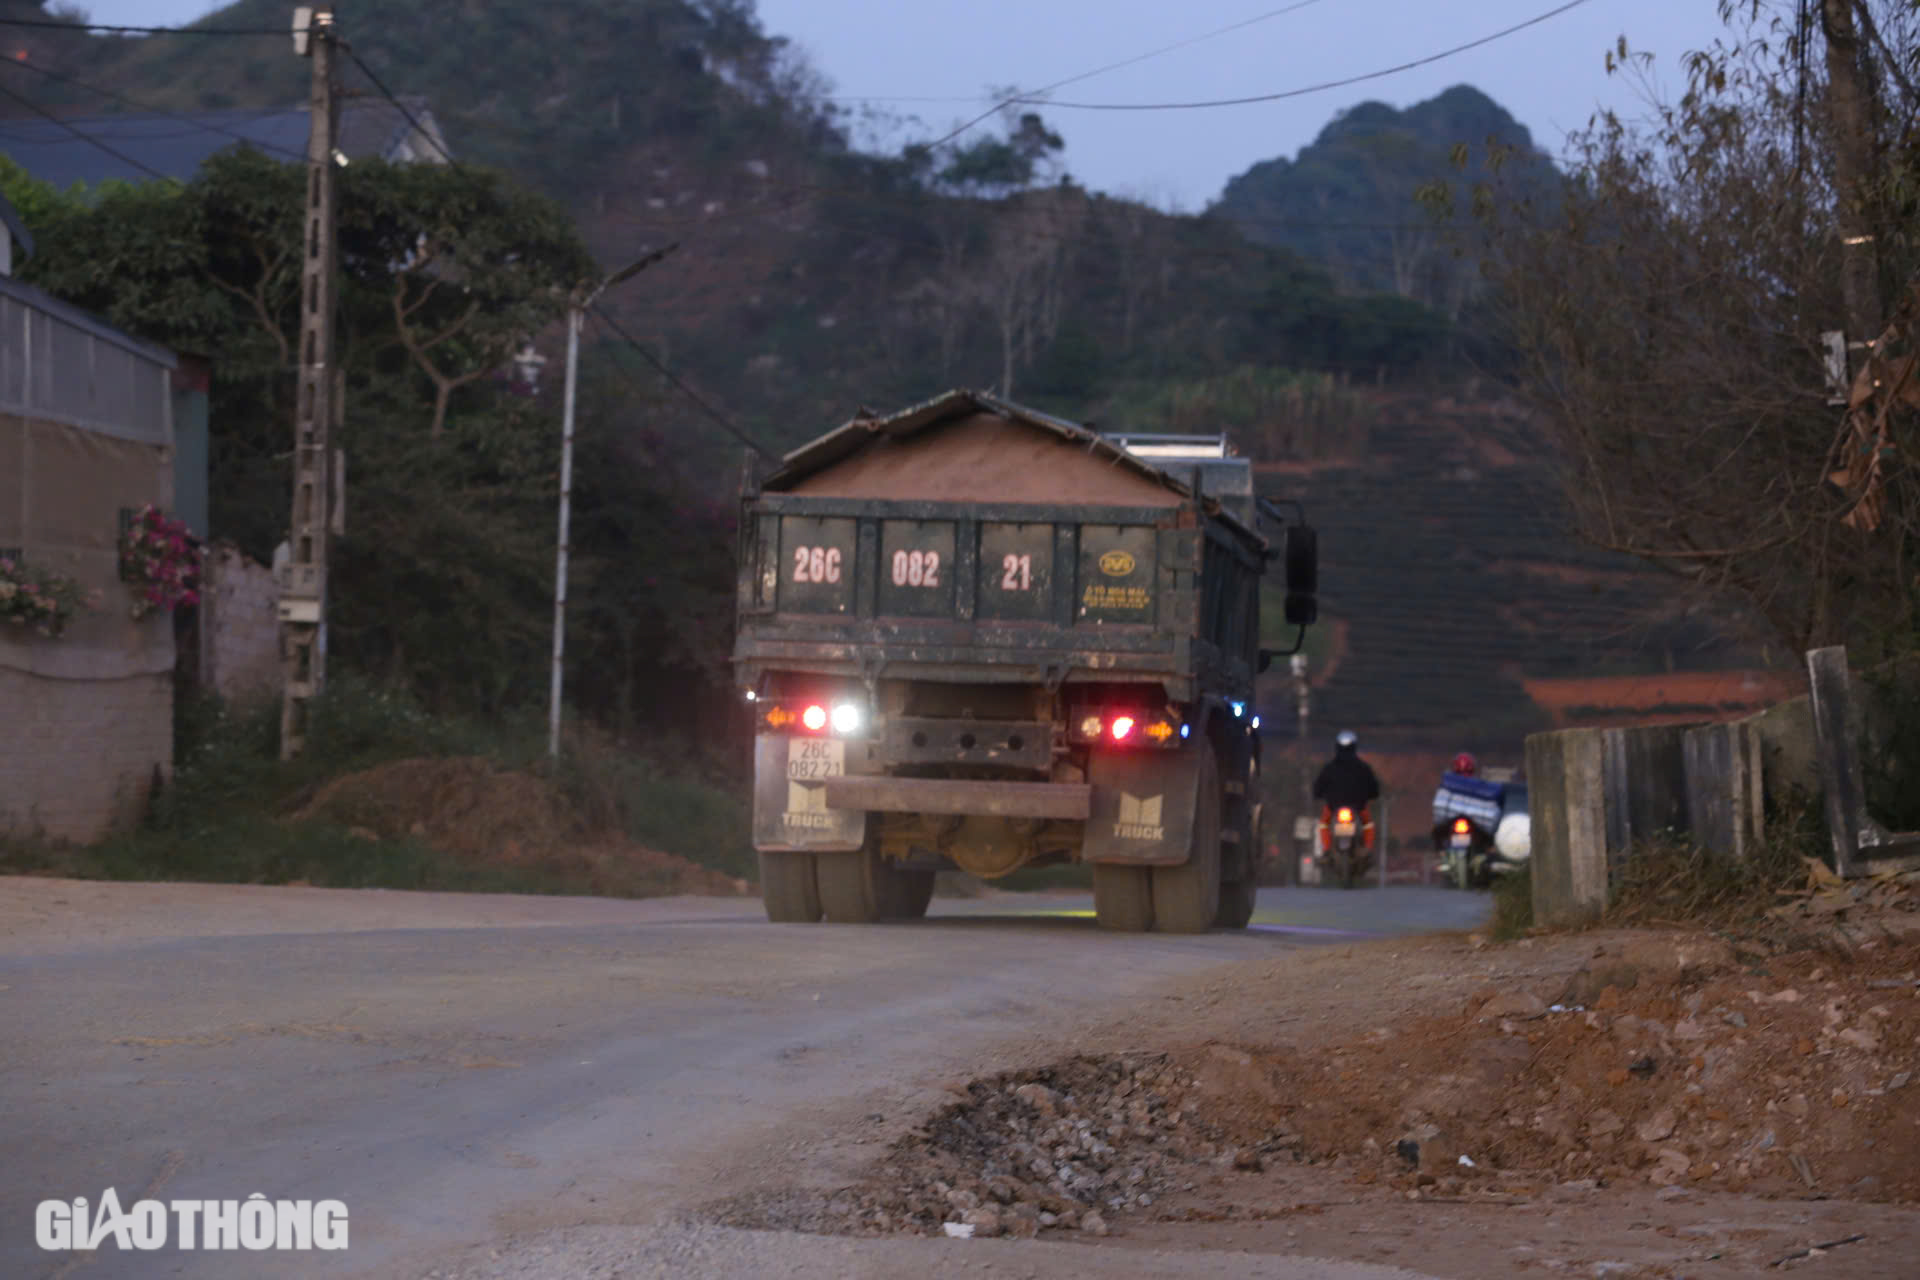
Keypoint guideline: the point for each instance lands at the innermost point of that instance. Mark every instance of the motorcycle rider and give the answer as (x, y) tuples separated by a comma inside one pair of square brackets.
[(1347, 782)]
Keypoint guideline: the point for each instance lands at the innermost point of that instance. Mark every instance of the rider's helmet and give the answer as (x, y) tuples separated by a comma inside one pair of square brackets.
[(1346, 740), (1465, 765)]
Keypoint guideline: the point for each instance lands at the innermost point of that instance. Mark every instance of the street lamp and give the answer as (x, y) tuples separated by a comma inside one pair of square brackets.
[(577, 304)]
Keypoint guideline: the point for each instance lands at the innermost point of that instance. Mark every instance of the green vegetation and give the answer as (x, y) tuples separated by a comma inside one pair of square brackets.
[(233, 812)]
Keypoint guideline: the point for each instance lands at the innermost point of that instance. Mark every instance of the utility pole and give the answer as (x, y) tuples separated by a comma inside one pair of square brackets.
[(1309, 820), (577, 305), (574, 313), (303, 589), (1850, 106)]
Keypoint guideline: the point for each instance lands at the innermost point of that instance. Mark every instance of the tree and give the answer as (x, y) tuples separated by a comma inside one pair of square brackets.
[(470, 263), (1667, 308)]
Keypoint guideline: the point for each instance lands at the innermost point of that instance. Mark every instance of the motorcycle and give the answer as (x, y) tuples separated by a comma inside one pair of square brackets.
[(1464, 846), (1346, 844), (1474, 851)]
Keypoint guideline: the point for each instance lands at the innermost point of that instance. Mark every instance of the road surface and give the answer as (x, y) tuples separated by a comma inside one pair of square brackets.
[(542, 1087)]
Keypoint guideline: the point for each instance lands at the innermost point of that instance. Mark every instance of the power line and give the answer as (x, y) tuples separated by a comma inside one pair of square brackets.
[(123, 100), (1312, 88), (1125, 62), (50, 24), (725, 423), (399, 106), (122, 157)]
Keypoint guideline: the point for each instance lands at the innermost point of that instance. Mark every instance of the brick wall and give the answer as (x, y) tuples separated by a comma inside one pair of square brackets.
[(243, 625), (77, 757)]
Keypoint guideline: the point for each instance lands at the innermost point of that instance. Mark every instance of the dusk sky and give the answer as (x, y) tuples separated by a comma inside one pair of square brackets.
[(1551, 75)]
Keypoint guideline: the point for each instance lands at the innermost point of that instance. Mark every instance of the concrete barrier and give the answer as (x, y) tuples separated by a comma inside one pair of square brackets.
[(1646, 787), (1593, 795), (1725, 777), (1566, 790)]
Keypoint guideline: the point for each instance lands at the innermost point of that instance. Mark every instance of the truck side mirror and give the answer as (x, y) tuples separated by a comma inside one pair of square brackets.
[(1303, 563), (1266, 660), (1302, 610)]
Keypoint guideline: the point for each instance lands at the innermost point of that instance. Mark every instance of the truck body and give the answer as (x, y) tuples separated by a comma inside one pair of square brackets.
[(976, 636)]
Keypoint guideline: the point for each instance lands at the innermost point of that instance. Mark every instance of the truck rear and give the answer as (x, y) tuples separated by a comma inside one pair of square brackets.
[(975, 636)]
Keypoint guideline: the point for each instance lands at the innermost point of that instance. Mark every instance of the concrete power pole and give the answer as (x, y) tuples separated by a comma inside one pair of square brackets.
[(1850, 107), (303, 589)]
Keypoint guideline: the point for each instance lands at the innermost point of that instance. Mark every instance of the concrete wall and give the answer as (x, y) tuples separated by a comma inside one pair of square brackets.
[(1566, 797), (77, 757), (242, 644)]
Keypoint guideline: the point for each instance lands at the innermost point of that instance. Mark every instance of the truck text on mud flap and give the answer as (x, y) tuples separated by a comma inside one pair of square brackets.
[(978, 636)]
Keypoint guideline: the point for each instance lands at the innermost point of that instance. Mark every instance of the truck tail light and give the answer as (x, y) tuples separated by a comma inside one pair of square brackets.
[(1130, 727), (814, 718)]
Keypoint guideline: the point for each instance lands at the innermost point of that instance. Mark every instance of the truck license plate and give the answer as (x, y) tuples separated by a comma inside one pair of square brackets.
[(811, 759)]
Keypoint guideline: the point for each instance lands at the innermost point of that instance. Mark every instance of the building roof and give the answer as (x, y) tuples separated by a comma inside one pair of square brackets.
[(177, 145)]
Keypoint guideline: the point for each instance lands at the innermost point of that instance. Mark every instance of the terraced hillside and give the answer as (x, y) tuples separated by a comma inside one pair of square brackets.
[(1450, 577)]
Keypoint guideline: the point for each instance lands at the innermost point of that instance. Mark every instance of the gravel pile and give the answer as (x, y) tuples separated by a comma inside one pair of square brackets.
[(1067, 1147)]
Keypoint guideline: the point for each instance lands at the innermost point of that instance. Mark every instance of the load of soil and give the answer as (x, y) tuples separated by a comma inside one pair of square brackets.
[(471, 809), (1672, 1061)]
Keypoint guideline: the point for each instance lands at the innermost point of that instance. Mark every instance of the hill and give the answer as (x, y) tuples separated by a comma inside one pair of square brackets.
[(1350, 200), (812, 279)]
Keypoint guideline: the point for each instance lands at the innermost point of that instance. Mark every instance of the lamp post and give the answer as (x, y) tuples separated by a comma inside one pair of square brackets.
[(577, 304)]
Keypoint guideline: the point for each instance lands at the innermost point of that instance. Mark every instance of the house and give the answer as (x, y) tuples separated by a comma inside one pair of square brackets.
[(81, 149), (86, 440)]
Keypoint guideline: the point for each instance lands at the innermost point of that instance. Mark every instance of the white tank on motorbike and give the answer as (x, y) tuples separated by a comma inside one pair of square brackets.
[(1514, 837)]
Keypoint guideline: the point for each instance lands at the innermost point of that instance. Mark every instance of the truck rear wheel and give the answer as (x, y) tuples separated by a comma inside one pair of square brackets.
[(862, 887), (788, 889), (1122, 898), (1186, 898)]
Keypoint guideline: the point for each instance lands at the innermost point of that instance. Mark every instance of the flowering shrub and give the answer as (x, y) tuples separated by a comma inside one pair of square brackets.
[(160, 562), (33, 598)]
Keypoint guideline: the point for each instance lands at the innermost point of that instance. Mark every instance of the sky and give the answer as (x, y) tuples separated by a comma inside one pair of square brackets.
[(1551, 76)]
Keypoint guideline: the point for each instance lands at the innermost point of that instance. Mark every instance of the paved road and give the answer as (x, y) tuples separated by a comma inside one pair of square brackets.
[(456, 1086)]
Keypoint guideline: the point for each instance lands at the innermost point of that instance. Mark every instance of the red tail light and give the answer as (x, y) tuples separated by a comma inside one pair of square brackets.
[(1461, 826), (1345, 815), (1122, 728), (814, 717)]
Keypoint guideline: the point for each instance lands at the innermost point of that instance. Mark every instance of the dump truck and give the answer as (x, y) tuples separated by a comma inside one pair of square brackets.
[(976, 636)]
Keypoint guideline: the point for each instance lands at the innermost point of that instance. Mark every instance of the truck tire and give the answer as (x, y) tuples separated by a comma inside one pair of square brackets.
[(862, 887), (1237, 895), (1122, 898), (1186, 898), (1236, 906), (788, 889)]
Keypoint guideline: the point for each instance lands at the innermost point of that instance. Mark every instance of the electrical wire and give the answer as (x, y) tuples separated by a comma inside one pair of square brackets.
[(51, 24), (1125, 62), (144, 108), (1324, 85), (726, 424), (121, 156), (399, 106)]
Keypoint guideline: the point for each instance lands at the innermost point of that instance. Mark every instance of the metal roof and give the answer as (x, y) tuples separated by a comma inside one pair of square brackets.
[(844, 441), (177, 145), (86, 321)]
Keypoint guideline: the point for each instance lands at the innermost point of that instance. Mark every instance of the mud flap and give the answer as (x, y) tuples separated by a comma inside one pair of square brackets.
[(790, 813), (1143, 803)]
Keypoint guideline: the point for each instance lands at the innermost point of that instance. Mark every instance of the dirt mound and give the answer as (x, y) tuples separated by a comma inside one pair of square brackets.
[(1666, 1062), (472, 809)]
